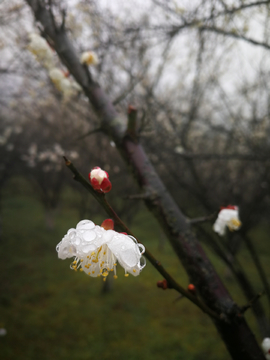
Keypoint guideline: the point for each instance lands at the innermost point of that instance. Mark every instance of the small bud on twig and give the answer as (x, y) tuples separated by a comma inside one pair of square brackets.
[(163, 284)]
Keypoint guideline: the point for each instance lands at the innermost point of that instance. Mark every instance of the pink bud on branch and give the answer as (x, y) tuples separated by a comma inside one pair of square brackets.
[(99, 180), (108, 224)]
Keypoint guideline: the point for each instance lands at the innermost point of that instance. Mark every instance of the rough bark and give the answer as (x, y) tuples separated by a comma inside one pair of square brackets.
[(235, 332)]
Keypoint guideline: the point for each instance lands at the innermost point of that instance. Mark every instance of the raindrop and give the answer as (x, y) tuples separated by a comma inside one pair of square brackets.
[(89, 235), (85, 225)]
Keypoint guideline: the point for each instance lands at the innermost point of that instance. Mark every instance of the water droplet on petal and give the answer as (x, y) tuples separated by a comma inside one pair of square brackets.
[(77, 241), (89, 235), (85, 225)]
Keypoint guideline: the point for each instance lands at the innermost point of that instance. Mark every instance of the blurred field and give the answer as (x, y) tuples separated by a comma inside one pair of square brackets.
[(51, 312)]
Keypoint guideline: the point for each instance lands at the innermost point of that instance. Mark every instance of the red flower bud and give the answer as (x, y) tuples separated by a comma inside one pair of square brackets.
[(99, 180), (108, 224), (231, 207), (192, 289), (162, 284)]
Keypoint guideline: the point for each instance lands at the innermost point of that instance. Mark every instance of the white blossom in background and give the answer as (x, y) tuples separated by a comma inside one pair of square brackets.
[(3, 332), (227, 217), (44, 54), (41, 49), (4, 137), (266, 348), (62, 84), (96, 251), (89, 58), (51, 158)]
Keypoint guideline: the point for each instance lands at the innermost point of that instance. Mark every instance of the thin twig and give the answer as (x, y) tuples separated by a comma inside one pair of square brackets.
[(89, 133), (202, 219), (244, 308)]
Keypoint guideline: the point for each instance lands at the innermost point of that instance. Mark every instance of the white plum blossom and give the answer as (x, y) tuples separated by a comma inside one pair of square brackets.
[(89, 58), (66, 86), (41, 49), (227, 217), (45, 55), (96, 251), (266, 348)]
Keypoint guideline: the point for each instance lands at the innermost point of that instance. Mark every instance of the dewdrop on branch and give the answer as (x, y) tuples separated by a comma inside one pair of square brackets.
[(97, 251), (89, 58), (99, 180), (227, 217)]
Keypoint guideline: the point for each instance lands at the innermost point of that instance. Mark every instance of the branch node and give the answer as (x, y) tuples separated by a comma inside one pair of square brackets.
[(132, 131)]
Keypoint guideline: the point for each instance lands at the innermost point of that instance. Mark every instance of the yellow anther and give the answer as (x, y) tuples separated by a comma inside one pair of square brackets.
[(89, 273), (126, 275), (81, 260), (81, 269), (134, 270), (115, 264), (105, 273), (111, 270), (88, 256), (98, 275), (92, 272), (234, 224), (104, 253), (74, 262), (104, 279), (100, 270), (115, 276), (102, 263)]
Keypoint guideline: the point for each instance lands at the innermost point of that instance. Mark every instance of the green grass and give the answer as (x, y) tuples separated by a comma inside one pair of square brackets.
[(51, 312)]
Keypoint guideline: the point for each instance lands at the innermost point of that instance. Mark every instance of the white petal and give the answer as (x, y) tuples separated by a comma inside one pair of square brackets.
[(125, 250), (220, 226), (266, 345)]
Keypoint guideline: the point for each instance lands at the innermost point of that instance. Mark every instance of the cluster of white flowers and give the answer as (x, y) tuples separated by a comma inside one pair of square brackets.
[(42, 51), (6, 134), (96, 251), (49, 157), (266, 348), (45, 55), (65, 85), (227, 217)]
